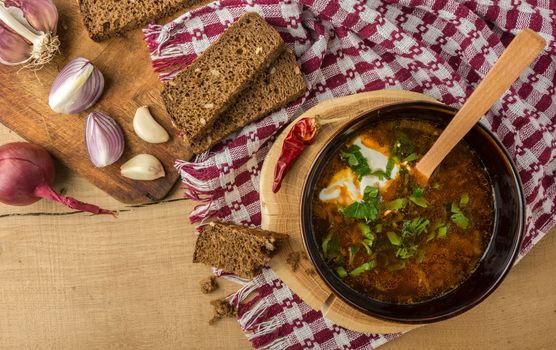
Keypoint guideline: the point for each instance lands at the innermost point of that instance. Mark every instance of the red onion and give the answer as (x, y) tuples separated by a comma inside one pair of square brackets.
[(26, 174), (28, 32), (105, 139), (77, 87)]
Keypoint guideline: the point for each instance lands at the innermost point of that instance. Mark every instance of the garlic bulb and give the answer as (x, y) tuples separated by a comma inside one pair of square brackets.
[(143, 167), (77, 87), (147, 128), (28, 32), (105, 139)]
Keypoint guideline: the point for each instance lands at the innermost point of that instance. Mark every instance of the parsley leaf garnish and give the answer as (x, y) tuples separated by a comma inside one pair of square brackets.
[(396, 204), (356, 161), (394, 238), (464, 200), (341, 272), (368, 237), (418, 198), (352, 252), (410, 158), (362, 268), (458, 217), (368, 209), (413, 228)]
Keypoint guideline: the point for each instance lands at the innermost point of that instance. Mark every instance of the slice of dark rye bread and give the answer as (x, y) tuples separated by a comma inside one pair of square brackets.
[(275, 88), (107, 18), (213, 81), (234, 248)]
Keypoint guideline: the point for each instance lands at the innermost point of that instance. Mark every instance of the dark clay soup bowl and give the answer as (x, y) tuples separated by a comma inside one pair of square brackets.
[(500, 253)]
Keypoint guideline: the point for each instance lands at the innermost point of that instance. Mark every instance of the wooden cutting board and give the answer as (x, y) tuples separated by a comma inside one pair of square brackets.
[(281, 211), (130, 83)]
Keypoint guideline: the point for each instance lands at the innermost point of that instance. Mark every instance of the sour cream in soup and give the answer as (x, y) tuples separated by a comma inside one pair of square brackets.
[(345, 186)]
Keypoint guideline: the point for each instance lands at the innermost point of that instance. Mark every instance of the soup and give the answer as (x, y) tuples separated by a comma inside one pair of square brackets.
[(390, 238)]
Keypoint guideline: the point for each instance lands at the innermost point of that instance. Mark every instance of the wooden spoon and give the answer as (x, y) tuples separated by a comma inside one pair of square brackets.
[(521, 52)]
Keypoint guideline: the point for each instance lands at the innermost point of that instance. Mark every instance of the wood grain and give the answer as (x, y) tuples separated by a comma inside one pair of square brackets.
[(521, 52), (281, 211), (130, 83), (66, 285)]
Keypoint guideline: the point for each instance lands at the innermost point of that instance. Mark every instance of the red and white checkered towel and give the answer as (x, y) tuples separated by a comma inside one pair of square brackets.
[(437, 47)]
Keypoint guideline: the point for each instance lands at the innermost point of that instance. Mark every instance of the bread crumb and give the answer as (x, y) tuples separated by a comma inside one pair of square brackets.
[(208, 106), (310, 271), (208, 284), (297, 70), (293, 260), (222, 308), (258, 50)]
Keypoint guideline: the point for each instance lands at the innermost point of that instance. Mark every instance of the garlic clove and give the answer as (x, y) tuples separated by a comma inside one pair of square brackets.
[(143, 167), (13, 48), (104, 138), (147, 128), (42, 15), (77, 87), (35, 22)]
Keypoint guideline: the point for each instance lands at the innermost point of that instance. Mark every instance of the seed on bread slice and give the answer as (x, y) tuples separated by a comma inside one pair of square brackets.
[(107, 18), (211, 84), (238, 249), (275, 88)]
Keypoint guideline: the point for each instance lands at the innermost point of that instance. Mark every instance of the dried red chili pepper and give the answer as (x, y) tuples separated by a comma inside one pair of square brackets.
[(301, 135)]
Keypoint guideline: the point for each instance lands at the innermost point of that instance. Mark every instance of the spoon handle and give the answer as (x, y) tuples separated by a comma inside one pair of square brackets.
[(523, 49)]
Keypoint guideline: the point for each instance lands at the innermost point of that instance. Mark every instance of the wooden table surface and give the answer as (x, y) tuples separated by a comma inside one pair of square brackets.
[(72, 281)]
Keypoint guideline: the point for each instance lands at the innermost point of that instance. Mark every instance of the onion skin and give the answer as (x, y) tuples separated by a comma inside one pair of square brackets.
[(77, 87), (104, 138), (26, 174)]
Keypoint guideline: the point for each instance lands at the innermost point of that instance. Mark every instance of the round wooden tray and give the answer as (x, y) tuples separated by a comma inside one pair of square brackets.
[(281, 211)]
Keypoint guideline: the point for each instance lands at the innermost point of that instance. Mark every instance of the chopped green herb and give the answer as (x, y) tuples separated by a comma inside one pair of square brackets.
[(431, 236), (356, 161), (403, 146), (367, 244), (397, 266), (364, 228), (381, 174), (436, 185), (361, 210), (331, 249), (394, 238), (370, 192), (396, 204), (378, 228), (362, 268), (406, 253), (464, 200), (413, 228), (418, 197), (460, 220), (411, 157), (341, 272), (352, 252), (368, 239), (458, 217), (389, 168), (455, 208), (442, 231), (325, 244), (368, 209)]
